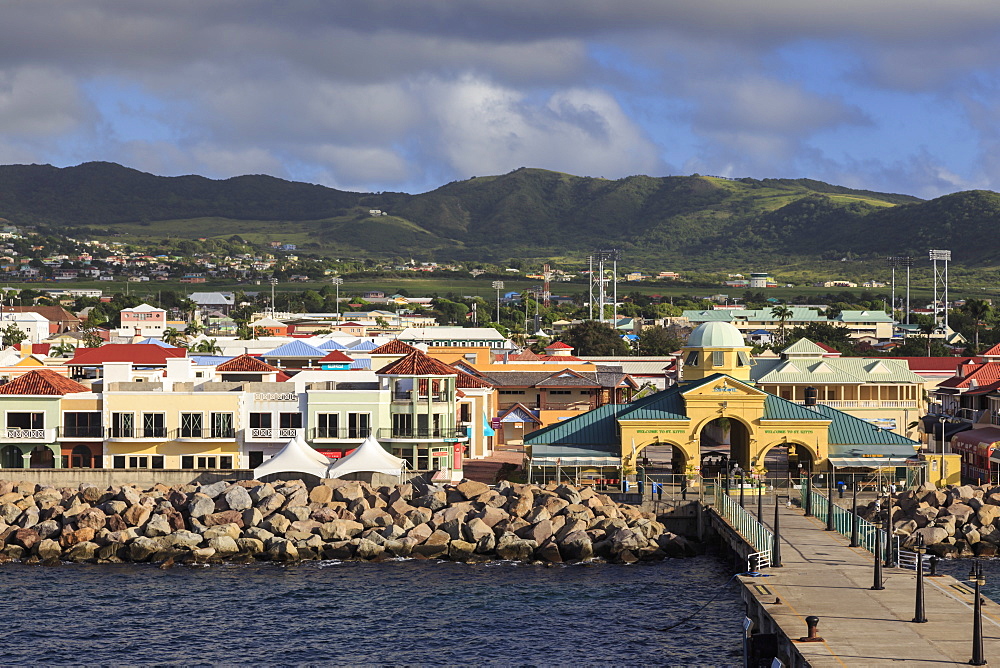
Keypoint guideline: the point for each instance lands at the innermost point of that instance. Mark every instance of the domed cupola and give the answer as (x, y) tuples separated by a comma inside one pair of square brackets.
[(716, 347)]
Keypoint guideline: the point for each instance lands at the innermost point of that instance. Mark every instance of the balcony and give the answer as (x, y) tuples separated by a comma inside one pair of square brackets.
[(137, 433), (327, 434), (409, 395), (191, 434), (260, 434), (78, 433), (23, 435), (424, 434), (865, 403)]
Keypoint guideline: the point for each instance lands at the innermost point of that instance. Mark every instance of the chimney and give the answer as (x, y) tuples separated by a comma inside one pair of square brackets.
[(812, 394)]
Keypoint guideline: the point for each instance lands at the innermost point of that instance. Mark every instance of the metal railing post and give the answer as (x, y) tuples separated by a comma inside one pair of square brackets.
[(855, 519)]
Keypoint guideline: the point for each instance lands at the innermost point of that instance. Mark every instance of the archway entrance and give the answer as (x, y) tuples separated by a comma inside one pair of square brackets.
[(785, 458), (662, 458), (81, 458), (11, 457), (724, 442), (42, 458)]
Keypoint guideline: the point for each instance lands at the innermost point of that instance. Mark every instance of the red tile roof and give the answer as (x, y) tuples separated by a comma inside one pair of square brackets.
[(42, 382), (137, 353), (337, 356), (985, 375), (558, 345), (245, 363), (939, 364), (418, 363), (993, 352), (394, 347)]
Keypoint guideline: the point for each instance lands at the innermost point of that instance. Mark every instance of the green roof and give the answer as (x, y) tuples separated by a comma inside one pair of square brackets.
[(832, 370), (850, 435), (776, 408), (595, 427), (666, 405)]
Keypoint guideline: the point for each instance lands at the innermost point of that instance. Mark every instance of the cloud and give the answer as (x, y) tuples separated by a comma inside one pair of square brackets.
[(37, 102)]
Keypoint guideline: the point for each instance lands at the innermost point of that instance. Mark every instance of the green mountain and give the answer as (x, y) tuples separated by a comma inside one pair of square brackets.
[(688, 221)]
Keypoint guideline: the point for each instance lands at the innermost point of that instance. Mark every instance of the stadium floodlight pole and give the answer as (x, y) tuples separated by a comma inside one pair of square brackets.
[(498, 286), (337, 282), (945, 257), (907, 261), (273, 282), (893, 262), (590, 302)]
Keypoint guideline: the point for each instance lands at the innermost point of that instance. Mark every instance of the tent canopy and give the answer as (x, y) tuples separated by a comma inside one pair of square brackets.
[(295, 457), (368, 457)]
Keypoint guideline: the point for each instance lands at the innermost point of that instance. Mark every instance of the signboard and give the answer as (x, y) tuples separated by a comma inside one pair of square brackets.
[(495, 423), (439, 454), (882, 423), (332, 454), (457, 451)]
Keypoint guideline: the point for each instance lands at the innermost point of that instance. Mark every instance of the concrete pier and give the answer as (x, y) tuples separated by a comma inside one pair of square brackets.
[(822, 576)]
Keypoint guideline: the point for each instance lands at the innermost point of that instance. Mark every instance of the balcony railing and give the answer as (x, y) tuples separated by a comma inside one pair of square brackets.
[(137, 432), (78, 431), (188, 433), (423, 434), (271, 433), (325, 433), (864, 403), (27, 434)]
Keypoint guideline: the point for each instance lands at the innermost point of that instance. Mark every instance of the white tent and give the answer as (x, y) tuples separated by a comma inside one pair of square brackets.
[(370, 456), (295, 457)]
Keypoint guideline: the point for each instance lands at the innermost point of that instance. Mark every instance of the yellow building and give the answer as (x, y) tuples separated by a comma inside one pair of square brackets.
[(716, 418)]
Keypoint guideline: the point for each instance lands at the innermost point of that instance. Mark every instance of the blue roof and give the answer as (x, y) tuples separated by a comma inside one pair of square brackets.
[(210, 360), (361, 364), (367, 344), (330, 344), (156, 342), (296, 349)]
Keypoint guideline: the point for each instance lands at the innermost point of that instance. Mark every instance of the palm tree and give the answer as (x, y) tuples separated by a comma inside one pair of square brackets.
[(207, 346), (64, 349), (927, 328), (977, 309), (172, 336), (193, 329), (782, 313)]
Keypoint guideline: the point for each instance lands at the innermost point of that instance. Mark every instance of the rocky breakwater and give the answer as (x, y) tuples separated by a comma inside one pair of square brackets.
[(956, 521), (289, 521)]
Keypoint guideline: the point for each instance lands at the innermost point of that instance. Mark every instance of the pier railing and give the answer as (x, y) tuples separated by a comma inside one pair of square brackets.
[(746, 524), (843, 521)]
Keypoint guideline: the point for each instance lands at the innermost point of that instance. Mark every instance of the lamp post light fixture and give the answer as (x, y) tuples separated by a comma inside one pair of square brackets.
[(776, 548), (809, 495), (337, 282), (877, 577), (976, 576), (498, 286), (739, 481)]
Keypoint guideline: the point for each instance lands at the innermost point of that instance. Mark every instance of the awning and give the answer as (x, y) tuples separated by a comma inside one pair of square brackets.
[(870, 462), (573, 455), (975, 440)]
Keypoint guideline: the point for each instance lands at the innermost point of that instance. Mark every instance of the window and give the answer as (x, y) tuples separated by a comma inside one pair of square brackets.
[(206, 462), (402, 425), (187, 462), (692, 358), (82, 425), (222, 425), (156, 462), (718, 358), (226, 462), (25, 420), (138, 462), (327, 425), (511, 391), (290, 420), (742, 359), (153, 425), (118, 461), (560, 391), (403, 389), (359, 425), (465, 413), (256, 458), (121, 425), (260, 420), (191, 424)]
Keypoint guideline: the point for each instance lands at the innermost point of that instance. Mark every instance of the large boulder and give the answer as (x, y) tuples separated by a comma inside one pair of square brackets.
[(136, 515), (224, 545), (576, 546), (340, 530), (142, 549), (931, 535), (49, 549), (987, 515), (82, 552), (237, 498), (200, 505), (158, 525), (471, 489)]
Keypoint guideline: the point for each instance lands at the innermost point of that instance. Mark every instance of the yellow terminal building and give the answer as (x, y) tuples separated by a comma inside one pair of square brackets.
[(716, 419)]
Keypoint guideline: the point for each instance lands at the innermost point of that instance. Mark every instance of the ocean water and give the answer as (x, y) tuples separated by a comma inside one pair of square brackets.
[(390, 613)]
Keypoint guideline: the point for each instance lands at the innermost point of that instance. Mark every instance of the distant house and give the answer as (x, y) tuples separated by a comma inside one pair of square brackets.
[(144, 320)]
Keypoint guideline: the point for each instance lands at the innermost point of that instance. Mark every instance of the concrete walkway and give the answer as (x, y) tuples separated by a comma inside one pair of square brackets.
[(824, 577)]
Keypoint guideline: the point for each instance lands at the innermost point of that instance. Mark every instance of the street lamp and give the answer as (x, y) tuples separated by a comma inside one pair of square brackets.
[(919, 616), (976, 576), (337, 282), (273, 283), (498, 286)]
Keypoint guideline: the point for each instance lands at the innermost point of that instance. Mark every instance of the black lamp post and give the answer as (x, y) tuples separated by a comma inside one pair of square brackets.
[(739, 480), (888, 531), (776, 552), (919, 617), (760, 500), (856, 521), (809, 495), (877, 578), (829, 502), (978, 656)]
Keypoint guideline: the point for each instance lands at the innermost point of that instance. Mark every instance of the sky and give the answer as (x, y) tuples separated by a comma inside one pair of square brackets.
[(404, 95)]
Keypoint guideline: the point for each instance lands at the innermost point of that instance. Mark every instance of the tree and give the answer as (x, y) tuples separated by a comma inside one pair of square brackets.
[(657, 341), (977, 309), (207, 346), (91, 337), (593, 338), (927, 329), (782, 313), (12, 336), (64, 349), (172, 336)]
